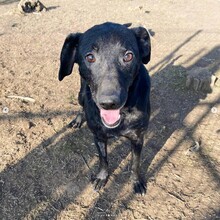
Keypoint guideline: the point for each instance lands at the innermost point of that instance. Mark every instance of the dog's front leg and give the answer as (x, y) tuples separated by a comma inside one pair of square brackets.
[(101, 178), (139, 184)]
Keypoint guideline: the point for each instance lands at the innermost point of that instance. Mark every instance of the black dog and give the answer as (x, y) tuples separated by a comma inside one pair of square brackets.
[(115, 88)]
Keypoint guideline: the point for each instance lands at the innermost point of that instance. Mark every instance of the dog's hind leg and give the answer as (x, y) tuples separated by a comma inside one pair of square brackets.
[(101, 178), (78, 120)]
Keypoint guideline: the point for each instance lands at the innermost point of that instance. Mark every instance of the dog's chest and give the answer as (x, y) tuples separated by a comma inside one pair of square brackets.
[(131, 122)]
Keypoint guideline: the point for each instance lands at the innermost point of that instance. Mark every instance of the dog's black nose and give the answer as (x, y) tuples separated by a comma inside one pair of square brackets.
[(108, 103)]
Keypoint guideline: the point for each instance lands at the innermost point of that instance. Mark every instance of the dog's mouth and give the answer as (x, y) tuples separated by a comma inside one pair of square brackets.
[(110, 118)]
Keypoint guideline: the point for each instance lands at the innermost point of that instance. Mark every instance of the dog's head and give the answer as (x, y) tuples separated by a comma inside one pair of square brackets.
[(109, 56)]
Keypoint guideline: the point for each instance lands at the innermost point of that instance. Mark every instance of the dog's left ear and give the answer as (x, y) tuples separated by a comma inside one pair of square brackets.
[(143, 39)]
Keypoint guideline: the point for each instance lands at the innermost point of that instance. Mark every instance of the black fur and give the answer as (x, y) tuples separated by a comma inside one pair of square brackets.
[(111, 83)]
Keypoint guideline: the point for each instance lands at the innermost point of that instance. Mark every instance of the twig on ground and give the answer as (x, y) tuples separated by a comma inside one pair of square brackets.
[(27, 99)]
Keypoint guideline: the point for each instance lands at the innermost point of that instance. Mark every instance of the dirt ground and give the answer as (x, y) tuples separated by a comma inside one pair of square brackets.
[(46, 167)]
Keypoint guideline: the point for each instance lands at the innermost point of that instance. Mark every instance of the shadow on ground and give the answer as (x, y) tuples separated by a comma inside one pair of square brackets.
[(6, 2), (57, 172)]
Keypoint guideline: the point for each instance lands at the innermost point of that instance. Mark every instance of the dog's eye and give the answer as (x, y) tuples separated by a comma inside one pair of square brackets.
[(90, 58), (128, 56)]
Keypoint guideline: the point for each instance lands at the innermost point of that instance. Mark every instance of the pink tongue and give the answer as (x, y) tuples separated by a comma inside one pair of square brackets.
[(110, 116)]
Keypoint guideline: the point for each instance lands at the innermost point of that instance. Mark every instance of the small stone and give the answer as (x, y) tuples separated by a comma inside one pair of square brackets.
[(214, 110), (31, 124), (5, 110)]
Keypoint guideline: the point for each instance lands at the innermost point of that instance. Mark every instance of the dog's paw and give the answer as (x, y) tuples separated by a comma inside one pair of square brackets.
[(99, 183), (100, 180), (76, 122), (140, 187)]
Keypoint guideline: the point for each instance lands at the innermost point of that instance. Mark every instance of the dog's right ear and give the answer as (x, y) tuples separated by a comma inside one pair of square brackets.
[(68, 55)]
